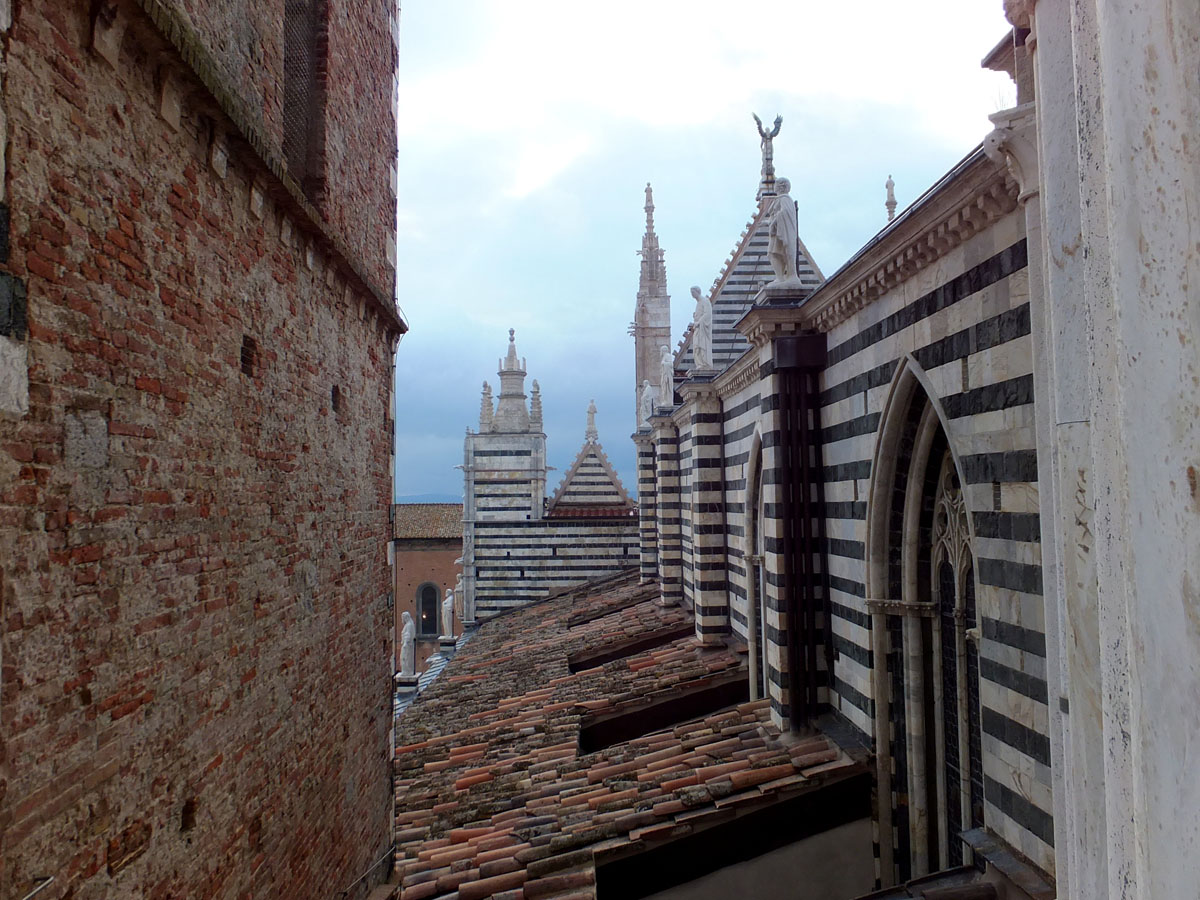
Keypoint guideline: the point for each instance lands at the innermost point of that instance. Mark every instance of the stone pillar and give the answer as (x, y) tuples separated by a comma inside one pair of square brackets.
[(709, 585), (670, 539), (1117, 113), (647, 509)]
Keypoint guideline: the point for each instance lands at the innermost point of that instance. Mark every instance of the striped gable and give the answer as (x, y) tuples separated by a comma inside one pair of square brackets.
[(591, 483), (744, 274)]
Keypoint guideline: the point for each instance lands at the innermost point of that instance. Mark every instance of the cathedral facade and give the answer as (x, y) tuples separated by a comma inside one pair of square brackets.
[(888, 484)]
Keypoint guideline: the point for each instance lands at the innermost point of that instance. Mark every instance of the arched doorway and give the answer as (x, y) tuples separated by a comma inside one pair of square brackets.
[(921, 590)]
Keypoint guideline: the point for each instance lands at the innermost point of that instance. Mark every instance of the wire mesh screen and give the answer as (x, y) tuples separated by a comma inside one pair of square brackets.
[(301, 31)]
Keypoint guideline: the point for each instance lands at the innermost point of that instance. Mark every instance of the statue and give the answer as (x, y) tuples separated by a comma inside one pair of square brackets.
[(702, 331), (890, 187), (459, 598), (782, 236), (448, 614), (646, 404), (408, 645), (768, 148), (592, 434), (666, 377)]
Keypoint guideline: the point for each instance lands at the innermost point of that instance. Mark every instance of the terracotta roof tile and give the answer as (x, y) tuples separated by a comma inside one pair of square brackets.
[(494, 796), (428, 520)]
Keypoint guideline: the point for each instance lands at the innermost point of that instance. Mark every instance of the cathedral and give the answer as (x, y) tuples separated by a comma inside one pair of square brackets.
[(914, 611)]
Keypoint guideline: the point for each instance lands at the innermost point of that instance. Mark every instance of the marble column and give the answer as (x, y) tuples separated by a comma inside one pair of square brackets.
[(670, 540), (709, 585), (647, 506)]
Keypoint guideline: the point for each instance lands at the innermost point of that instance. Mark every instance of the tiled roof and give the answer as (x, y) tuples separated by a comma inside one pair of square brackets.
[(494, 796), (429, 520)]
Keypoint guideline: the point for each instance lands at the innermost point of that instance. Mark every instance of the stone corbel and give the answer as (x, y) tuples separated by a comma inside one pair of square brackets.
[(1014, 142)]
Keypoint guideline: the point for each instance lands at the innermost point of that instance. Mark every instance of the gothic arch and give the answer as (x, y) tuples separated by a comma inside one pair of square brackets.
[(920, 588)]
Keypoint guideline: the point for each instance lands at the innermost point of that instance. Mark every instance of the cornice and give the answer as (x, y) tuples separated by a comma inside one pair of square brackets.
[(738, 376), (967, 200)]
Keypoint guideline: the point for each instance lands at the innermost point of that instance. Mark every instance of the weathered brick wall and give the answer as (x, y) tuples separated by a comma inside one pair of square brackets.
[(246, 42), (418, 562), (195, 692)]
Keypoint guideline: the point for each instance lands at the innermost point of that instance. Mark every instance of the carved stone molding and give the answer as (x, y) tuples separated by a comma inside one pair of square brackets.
[(1014, 143), (992, 199), (738, 378), (902, 608)]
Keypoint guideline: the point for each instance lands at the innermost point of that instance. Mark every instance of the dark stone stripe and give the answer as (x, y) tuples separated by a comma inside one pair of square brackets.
[(867, 424), (1014, 680), (1008, 526), (847, 647), (1016, 636), (1009, 325), (1006, 262), (1018, 736), (989, 398), (854, 697), (1011, 575), (873, 378), (847, 471), (850, 509), (846, 549), (1031, 818), (861, 619), (847, 586), (1012, 467)]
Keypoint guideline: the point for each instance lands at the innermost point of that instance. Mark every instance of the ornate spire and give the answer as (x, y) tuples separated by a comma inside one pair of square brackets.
[(592, 435), (485, 409), (653, 280), (512, 415), (891, 198), (535, 407)]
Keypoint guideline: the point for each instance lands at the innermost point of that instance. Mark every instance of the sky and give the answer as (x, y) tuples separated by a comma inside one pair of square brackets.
[(529, 128)]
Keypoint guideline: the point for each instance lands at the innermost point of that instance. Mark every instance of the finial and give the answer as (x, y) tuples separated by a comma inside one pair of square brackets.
[(592, 434), (891, 198), (768, 148), (649, 207), (512, 335)]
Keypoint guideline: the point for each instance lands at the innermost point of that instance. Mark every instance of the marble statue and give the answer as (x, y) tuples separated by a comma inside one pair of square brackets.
[(768, 148), (890, 187), (646, 404), (782, 236), (448, 614), (666, 377), (408, 645), (702, 331), (592, 434)]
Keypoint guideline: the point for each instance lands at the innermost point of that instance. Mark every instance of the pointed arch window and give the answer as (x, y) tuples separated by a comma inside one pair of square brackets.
[(427, 610), (960, 767)]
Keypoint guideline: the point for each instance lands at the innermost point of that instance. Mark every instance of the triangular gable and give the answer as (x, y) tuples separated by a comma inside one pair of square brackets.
[(744, 274), (590, 482)]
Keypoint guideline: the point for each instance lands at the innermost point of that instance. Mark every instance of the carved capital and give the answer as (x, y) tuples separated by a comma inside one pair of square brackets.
[(1014, 142)]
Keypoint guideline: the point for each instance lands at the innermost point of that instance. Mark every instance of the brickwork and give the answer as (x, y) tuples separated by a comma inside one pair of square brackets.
[(195, 684), (421, 562)]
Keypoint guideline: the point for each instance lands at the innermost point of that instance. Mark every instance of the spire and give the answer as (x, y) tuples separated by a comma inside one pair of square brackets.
[(653, 280), (535, 407), (485, 409), (511, 413), (890, 186), (592, 435)]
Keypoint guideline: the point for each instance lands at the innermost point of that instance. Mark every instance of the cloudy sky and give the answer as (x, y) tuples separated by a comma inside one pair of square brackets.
[(529, 128)]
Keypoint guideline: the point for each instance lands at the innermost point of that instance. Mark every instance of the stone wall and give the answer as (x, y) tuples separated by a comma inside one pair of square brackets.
[(195, 684)]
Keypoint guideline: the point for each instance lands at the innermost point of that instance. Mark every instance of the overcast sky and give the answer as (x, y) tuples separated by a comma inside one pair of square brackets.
[(529, 128)]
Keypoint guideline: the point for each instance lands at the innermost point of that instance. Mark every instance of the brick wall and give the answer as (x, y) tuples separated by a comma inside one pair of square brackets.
[(195, 683)]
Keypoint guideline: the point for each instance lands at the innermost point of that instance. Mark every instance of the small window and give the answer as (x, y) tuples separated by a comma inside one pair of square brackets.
[(305, 52), (335, 399), (427, 610), (249, 355)]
